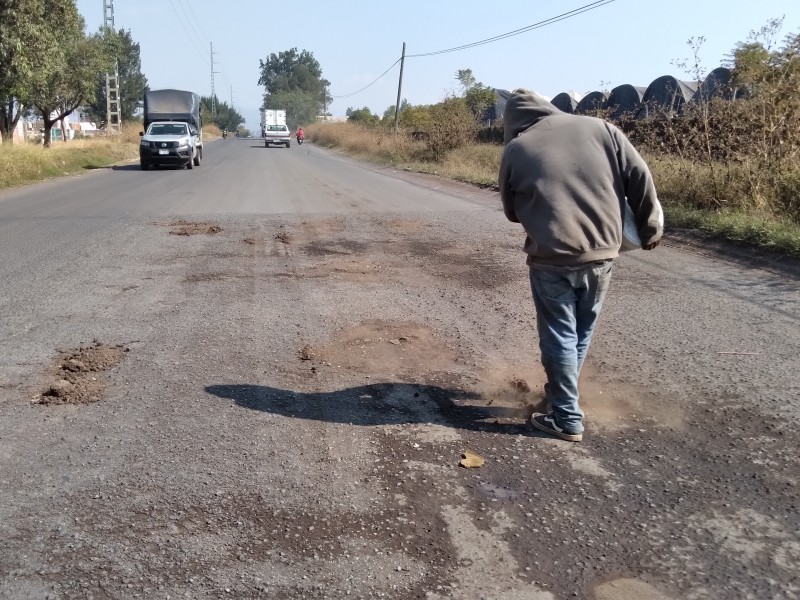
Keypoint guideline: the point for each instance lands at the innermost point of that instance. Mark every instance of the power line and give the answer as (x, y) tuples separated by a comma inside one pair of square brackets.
[(550, 21), (563, 16), (381, 76), (190, 15), (189, 22), (186, 31), (196, 20)]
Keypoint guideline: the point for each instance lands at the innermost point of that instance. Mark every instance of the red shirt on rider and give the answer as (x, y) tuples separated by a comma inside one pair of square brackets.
[(300, 133)]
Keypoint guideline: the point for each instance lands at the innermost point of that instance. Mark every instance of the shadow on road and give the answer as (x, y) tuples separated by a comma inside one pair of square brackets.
[(381, 404), (135, 167)]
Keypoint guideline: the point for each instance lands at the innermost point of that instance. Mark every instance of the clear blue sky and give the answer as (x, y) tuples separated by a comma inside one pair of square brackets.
[(626, 41)]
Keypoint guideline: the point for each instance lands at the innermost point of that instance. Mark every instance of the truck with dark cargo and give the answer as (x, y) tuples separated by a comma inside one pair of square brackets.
[(173, 129)]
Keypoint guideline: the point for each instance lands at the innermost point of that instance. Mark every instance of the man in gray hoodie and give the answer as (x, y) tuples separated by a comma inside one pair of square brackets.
[(565, 179)]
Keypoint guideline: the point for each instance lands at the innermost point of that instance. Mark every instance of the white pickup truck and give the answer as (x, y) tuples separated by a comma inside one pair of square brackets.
[(274, 129), (173, 132), (169, 143)]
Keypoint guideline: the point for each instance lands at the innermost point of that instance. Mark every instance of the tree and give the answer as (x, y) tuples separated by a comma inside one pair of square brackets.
[(361, 115), (132, 82), (466, 79), (30, 50), (301, 108), (226, 117), (73, 77), (388, 114), (293, 82), (479, 97), (452, 125)]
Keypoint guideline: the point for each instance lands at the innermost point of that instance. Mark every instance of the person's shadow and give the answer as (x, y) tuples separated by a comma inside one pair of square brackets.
[(381, 404)]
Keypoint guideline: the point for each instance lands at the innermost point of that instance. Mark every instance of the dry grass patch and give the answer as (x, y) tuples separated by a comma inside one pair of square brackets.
[(477, 164), (25, 163), (377, 144), (212, 131), (472, 163)]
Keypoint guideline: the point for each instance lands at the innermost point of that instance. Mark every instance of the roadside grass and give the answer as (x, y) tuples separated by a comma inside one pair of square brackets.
[(781, 236), (476, 164), (25, 163), (212, 131), (21, 164), (683, 186)]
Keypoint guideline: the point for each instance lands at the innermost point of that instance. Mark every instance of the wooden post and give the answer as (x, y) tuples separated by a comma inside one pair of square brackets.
[(399, 88)]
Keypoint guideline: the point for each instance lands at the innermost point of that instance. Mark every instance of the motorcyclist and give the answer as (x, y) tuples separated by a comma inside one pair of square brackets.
[(300, 134), (224, 133)]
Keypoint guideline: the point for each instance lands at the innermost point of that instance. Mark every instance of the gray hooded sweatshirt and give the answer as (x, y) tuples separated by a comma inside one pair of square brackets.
[(565, 178)]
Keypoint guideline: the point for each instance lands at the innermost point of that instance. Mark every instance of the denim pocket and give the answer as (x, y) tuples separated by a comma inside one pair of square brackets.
[(553, 286), (602, 278)]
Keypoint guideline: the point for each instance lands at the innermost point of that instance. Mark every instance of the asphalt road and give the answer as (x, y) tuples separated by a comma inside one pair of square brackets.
[(283, 354)]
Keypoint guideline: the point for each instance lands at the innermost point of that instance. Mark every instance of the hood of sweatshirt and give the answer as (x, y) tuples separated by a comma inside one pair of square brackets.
[(523, 109)]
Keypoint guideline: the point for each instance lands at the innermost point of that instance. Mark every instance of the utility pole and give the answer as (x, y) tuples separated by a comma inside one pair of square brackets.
[(399, 88), (113, 113), (231, 97), (213, 93)]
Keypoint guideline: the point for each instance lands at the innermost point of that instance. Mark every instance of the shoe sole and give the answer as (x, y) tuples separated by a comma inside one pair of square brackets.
[(568, 437)]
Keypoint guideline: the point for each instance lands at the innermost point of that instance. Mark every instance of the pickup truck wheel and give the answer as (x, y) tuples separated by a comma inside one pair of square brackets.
[(145, 166), (190, 164), (197, 158)]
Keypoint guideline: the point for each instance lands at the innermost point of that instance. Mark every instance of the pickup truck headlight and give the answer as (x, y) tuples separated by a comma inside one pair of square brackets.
[(145, 143), (183, 143)]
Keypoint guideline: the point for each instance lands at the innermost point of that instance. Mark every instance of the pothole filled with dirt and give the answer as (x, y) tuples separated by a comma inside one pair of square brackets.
[(78, 374), (616, 405), (182, 227), (385, 349)]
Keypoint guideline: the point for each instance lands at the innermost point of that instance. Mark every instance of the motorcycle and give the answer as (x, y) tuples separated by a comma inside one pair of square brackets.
[(300, 139), (224, 134)]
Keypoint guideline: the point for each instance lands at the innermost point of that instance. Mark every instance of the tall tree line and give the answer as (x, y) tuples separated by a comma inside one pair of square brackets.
[(226, 116), (50, 66)]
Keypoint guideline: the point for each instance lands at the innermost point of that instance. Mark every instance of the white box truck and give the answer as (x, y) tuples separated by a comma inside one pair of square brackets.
[(274, 129)]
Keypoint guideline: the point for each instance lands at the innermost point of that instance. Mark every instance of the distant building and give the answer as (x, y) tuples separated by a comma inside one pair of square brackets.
[(666, 95), (591, 102), (567, 101), (624, 99)]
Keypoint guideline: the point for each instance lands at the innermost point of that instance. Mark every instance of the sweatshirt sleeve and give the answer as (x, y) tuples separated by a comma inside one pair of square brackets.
[(640, 190), (506, 193)]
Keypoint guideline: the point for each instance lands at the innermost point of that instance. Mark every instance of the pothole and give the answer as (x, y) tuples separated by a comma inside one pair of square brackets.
[(627, 589), (380, 348), (615, 405), (182, 227), (79, 374)]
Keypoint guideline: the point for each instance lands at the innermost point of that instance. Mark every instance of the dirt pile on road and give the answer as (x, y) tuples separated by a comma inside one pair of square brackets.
[(193, 228), (78, 374)]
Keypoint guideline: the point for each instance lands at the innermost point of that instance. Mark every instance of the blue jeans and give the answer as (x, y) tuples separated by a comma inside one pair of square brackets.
[(568, 302)]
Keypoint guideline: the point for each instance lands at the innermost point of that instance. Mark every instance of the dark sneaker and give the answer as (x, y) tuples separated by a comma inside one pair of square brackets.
[(547, 423)]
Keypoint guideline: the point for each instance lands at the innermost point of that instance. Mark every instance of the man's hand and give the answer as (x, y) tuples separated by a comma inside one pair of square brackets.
[(651, 246)]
